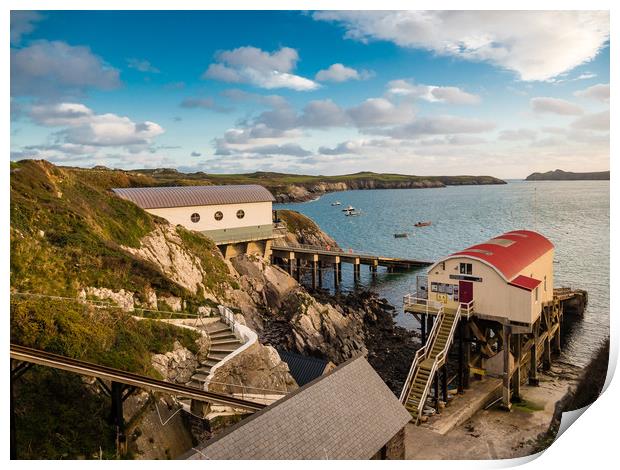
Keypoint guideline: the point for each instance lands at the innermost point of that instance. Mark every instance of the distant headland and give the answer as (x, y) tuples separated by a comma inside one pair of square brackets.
[(296, 188), (560, 175)]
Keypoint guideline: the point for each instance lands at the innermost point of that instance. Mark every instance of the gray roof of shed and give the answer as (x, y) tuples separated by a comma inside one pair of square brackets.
[(347, 414), (184, 196)]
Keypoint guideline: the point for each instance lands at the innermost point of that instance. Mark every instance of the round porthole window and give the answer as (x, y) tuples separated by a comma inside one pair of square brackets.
[(240, 214), (218, 215), (195, 217)]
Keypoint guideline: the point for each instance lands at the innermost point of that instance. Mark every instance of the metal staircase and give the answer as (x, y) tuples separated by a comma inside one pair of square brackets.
[(429, 358)]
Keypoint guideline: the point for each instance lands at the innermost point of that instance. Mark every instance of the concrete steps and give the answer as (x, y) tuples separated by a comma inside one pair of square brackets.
[(223, 342)]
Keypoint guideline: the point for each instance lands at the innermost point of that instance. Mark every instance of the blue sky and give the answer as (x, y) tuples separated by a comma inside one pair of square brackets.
[(501, 93)]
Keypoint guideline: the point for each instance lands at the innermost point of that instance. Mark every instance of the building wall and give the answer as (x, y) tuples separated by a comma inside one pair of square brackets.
[(493, 296), (256, 213)]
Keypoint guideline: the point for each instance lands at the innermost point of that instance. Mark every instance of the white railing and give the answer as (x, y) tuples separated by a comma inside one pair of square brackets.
[(467, 309), (430, 306), (420, 355)]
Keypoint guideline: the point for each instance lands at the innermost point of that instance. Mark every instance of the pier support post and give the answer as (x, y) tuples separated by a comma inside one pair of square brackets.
[(337, 274), (558, 347), (356, 271), (116, 416), (466, 355), (298, 270), (314, 269), (459, 378), (320, 274), (506, 382), (516, 394), (373, 269), (444, 384), (437, 391), (423, 328), (547, 353), (291, 259), (533, 375)]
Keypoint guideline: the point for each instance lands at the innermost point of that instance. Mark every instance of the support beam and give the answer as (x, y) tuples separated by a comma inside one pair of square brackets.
[(337, 275), (558, 347), (314, 270), (116, 417), (533, 374), (423, 328), (547, 353), (516, 394), (298, 270), (356, 271), (444, 383), (466, 355), (506, 383), (320, 274), (461, 371), (437, 391)]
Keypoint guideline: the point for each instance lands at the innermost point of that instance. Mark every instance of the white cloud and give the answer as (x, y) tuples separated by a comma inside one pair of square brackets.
[(517, 134), (432, 93), (84, 127), (595, 122), (437, 125), (204, 103), (22, 23), (56, 69), (341, 73), (323, 114), (537, 45), (142, 65), (60, 114), (379, 112), (598, 92), (260, 68), (554, 105)]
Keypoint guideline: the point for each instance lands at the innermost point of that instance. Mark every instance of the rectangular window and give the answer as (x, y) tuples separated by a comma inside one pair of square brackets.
[(465, 268), (536, 294), (545, 283)]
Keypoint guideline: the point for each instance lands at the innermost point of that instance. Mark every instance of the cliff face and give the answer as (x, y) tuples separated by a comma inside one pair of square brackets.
[(559, 175), (303, 230)]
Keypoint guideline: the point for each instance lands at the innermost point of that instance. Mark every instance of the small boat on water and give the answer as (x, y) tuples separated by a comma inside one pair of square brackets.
[(336, 203), (348, 209), (422, 224), (401, 235), (353, 212)]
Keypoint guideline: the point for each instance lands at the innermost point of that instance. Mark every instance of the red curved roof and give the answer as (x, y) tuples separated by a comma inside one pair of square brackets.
[(509, 253)]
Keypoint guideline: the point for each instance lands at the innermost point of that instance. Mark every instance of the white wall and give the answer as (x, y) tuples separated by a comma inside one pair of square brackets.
[(494, 296), (256, 213)]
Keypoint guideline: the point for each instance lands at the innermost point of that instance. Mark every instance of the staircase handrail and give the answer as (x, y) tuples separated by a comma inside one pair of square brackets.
[(469, 308), (420, 355)]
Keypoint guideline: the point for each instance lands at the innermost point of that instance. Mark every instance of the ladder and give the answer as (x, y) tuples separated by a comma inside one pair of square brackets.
[(429, 358)]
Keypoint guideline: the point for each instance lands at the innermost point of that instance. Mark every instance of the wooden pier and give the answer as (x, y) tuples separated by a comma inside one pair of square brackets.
[(317, 257)]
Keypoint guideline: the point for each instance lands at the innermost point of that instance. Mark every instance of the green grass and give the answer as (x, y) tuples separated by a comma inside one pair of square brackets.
[(107, 336), (296, 222)]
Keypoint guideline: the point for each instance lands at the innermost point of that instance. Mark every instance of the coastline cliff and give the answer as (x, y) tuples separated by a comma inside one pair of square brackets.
[(560, 175)]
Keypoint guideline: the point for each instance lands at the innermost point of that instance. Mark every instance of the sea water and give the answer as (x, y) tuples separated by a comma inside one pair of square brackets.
[(574, 215)]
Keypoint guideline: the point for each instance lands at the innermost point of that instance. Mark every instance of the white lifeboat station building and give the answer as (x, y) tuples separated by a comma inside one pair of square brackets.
[(238, 218), (496, 300)]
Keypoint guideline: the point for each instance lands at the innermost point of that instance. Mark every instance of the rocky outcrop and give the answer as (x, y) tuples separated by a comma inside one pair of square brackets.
[(257, 370), (303, 230), (164, 247), (179, 365), (124, 299)]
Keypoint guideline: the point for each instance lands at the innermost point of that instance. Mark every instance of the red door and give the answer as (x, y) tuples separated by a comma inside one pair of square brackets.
[(466, 291)]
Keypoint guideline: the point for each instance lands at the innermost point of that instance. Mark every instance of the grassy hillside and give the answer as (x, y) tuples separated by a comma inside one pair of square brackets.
[(278, 182), (67, 233), (67, 230)]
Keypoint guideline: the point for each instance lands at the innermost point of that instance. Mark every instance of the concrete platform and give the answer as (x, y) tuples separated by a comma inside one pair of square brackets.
[(463, 407)]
